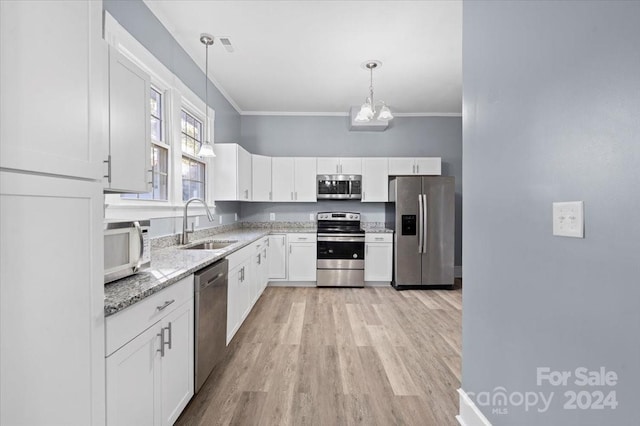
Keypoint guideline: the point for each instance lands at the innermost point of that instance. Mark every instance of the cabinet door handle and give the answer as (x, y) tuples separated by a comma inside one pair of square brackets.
[(363, 195), (302, 238), (289, 248), (291, 195), (259, 258), (108, 175), (366, 249), (161, 335), (270, 196), (167, 303), (296, 195), (379, 239), (151, 171), (417, 168), (170, 336), (414, 169)]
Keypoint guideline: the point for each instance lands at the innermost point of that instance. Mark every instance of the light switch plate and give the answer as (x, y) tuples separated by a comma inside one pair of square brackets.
[(272, 216), (568, 219)]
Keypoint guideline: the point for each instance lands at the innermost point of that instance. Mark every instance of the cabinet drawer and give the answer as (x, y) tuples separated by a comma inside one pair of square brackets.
[(301, 238), (237, 257), (130, 322), (378, 237)]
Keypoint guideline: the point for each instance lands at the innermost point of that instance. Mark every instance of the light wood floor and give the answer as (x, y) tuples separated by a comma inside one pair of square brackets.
[(324, 356)]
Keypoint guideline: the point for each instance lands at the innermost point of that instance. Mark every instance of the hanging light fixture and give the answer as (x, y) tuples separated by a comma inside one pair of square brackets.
[(206, 149), (368, 109)]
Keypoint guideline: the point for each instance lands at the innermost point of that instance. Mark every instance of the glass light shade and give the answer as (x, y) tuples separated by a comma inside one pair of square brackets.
[(206, 150), (385, 114), (365, 113)]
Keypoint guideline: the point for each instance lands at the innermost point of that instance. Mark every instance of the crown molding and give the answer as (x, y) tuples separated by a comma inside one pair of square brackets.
[(346, 114)]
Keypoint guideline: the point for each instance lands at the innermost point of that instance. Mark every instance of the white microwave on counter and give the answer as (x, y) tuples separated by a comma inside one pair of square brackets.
[(126, 248)]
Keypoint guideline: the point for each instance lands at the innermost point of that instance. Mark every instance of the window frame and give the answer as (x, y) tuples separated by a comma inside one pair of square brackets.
[(188, 110)]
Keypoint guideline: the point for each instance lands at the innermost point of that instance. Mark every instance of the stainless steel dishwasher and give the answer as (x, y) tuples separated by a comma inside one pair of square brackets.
[(210, 319)]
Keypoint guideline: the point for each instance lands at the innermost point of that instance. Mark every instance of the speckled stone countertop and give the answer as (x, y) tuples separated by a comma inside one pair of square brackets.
[(170, 264)]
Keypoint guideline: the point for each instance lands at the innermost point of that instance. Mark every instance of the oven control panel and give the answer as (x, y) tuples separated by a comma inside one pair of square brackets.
[(338, 216)]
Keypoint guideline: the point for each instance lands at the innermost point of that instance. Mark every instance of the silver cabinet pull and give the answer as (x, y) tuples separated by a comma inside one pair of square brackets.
[(170, 336), (167, 303), (302, 238), (289, 248), (151, 171), (161, 335), (108, 175), (379, 239), (291, 195), (417, 168), (270, 196), (363, 195), (420, 223), (366, 249), (259, 258)]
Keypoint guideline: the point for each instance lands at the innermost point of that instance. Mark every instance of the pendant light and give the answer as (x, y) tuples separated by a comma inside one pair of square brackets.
[(206, 149), (368, 109)]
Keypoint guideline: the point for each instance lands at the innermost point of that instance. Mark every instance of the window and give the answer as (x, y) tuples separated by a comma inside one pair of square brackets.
[(159, 152), (193, 170)]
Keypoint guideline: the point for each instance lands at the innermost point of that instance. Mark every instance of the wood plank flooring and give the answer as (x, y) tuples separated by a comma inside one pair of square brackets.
[(339, 356)]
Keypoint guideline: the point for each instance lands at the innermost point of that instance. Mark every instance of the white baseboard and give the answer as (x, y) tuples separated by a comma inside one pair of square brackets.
[(457, 271), (470, 415), (292, 284)]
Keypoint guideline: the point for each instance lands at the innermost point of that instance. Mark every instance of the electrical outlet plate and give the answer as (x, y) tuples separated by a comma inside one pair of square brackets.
[(197, 221), (272, 216), (220, 219), (235, 217), (311, 217), (568, 219)]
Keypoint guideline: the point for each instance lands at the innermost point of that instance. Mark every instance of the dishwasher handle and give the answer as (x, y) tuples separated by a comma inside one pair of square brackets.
[(210, 282)]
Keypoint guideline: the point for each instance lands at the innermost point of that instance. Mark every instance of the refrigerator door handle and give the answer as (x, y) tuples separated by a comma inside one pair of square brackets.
[(420, 223), (424, 224)]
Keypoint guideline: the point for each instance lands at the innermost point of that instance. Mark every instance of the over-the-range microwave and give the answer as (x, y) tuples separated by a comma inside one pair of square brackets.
[(126, 248), (339, 187)]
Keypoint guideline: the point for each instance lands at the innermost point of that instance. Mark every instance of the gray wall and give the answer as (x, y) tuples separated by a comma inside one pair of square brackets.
[(330, 137), (551, 101)]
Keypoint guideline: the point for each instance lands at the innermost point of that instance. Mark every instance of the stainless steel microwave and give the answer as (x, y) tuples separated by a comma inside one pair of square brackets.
[(126, 248), (347, 187)]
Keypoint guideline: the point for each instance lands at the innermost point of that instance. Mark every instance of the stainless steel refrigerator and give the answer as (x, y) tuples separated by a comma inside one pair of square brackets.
[(422, 213)]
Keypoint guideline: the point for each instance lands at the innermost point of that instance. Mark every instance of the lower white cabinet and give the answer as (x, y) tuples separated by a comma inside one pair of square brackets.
[(150, 378), (378, 257), (248, 270), (302, 257), (277, 257), (237, 296)]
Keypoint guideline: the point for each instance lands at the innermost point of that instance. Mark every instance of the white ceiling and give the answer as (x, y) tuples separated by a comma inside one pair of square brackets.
[(305, 56)]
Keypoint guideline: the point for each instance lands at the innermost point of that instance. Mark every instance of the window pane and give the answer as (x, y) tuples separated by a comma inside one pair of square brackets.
[(190, 126), (183, 122), (191, 146), (184, 142), (198, 131), (163, 163), (156, 129), (163, 188), (155, 103), (185, 190)]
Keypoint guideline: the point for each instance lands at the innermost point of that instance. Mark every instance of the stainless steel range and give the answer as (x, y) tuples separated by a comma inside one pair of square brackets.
[(340, 250)]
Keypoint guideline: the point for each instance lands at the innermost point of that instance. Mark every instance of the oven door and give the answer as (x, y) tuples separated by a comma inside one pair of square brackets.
[(340, 251)]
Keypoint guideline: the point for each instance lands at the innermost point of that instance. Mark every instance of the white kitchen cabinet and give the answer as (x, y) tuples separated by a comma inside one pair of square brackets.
[(277, 256), (294, 179), (375, 180), (341, 166), (378, 257), (53, 80), (150, 378), (129, 148), (232, 173), (260, 272), (399, 166), (51, 300), (302, 255), (177, 363), (134, 382), (238, 297), (261, 178)]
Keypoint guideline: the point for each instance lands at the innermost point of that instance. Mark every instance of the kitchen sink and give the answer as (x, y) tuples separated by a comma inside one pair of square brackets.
[(211, 245)]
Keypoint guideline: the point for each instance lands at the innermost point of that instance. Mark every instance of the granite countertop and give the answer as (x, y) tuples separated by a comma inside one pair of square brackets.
[(170, 264)]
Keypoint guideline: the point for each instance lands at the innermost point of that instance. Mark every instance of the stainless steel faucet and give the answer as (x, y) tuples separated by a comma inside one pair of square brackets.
[(185, 230)]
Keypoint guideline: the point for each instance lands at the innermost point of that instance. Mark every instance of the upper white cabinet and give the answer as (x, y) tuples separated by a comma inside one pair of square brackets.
[(261, 177), (128, 158), (232, 173), (53, 81), (341, 166), (375, 179), (294, 179), (415, 166)]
